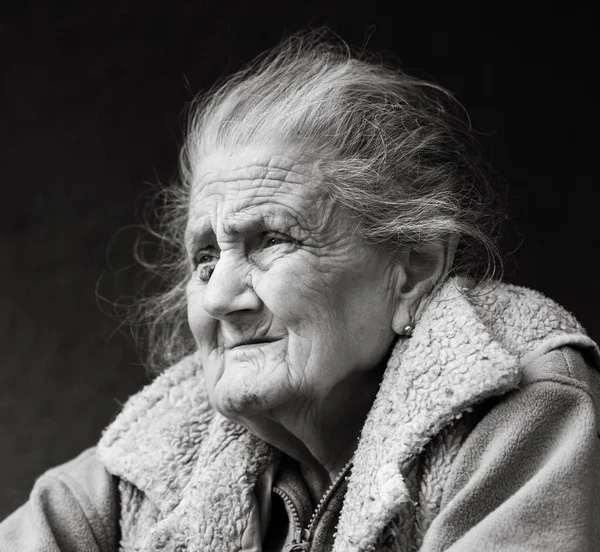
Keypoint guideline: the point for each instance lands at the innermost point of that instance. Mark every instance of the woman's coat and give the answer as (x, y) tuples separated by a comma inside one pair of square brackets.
[(483, 436)]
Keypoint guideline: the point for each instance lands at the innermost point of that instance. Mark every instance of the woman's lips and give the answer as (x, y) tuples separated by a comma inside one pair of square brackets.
[(249, 343)]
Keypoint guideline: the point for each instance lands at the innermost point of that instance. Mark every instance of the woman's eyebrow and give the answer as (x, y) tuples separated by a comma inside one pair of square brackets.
[(243, 222), (236, 224), (198, 237), (239, 223)]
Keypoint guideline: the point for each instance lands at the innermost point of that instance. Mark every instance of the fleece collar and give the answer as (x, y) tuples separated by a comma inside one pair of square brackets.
[(200, 469)]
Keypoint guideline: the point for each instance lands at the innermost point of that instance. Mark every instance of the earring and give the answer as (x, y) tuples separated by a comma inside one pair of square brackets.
[(409, 328)]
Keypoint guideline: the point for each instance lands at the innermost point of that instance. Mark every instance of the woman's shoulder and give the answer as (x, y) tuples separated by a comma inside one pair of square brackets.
[(536, 447), (566, 364), (79, 494), (548, 340), (526, 322)]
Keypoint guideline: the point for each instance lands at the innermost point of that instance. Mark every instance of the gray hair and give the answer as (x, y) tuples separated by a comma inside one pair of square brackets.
[(397, 152)]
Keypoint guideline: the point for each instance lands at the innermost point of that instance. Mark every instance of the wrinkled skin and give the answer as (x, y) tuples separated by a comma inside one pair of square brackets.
[(278, 267)]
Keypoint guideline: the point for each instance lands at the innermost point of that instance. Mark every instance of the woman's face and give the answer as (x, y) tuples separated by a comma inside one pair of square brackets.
[(285, 302)]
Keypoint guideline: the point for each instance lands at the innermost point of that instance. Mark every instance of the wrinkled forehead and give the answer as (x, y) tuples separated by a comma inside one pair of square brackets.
[(252, 166), (229, 184)]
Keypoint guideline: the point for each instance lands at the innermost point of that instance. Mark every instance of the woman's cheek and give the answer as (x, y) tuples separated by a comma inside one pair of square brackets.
[(277, 292), (285, 285), (266, 259)]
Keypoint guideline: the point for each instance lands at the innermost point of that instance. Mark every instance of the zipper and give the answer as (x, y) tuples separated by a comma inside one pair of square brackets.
[(301, 540)]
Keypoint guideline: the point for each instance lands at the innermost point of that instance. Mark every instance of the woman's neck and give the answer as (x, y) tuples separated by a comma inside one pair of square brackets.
[(322, 437)]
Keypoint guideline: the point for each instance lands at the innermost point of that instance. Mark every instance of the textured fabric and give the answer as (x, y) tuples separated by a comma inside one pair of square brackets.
[(483, 436)]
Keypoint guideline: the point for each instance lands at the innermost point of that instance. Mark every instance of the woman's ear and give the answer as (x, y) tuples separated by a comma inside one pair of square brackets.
[(424, 267)]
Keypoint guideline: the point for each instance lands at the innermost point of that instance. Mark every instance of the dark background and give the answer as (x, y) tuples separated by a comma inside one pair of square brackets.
[(90, 114)]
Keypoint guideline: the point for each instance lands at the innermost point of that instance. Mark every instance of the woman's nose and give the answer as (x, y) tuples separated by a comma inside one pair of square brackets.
[(229, 291)]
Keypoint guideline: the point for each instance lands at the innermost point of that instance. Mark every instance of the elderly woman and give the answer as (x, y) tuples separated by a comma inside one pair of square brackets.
[(356, 380)]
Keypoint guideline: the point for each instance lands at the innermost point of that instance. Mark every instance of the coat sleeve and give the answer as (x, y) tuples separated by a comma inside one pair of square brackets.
[(72, 508), (527, 477)]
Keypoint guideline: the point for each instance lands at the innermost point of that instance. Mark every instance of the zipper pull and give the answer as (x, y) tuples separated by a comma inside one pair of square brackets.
[(300, 542)]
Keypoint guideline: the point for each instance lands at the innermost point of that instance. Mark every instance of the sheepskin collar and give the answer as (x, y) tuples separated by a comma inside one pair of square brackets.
[(199, 469)]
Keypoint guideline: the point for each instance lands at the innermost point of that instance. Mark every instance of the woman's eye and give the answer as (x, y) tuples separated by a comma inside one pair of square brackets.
[(272, 241), (203, 259)]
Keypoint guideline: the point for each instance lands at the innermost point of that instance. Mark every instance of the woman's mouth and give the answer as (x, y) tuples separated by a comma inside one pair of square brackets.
[(249, 343)]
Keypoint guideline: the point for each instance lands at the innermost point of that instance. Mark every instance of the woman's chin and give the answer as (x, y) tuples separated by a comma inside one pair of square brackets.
[(248, 389), (238, 402)]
